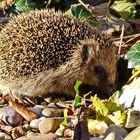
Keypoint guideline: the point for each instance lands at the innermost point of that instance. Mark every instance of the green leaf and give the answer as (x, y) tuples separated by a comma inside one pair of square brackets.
[(99, 106), (125, 8), (118, 117), (27, 5), (76, 87), (77, 99), (65, 122), (112, 104), (133, 55), (79, 11)]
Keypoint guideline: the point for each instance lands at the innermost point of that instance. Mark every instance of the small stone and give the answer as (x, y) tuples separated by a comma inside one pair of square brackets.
[(10, 116), (4, 136), (133, 118), (59, 132), (50, 136), (49, 125), (52, 105), (42, 118), (35, 123), (38, 110), (134, 135), (48, 100), (43, 103), (115, 132), (111, 136), (96, 138), (48, 112), (27, 126), (30, 133)]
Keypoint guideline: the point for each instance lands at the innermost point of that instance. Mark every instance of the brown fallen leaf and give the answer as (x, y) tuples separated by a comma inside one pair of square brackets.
[(18, 132), (26, 113)]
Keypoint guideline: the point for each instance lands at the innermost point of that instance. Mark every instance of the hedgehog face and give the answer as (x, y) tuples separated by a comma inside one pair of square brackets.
[(100, 67)]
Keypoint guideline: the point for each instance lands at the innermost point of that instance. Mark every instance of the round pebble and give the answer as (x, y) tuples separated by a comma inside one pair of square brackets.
[(35, 123), (48, 112), (49, 125)]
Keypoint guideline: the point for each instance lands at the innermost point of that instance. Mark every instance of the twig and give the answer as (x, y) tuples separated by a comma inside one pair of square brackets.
[(121, 39), (136, 35), (126, 37)]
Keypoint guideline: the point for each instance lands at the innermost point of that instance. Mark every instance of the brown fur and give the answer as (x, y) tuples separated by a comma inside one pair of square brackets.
[(42, 52)]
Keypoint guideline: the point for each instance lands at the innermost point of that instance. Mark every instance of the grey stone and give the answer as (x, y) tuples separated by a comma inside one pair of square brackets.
[(96, 138), (37, 110), (133, 118), (10, 116), (115, 132), (134, 135), (35, 123)]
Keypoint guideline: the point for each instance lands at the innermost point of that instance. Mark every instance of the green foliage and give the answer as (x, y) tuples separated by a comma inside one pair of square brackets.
[(65, 122), (77, 99), (99, 106), (27, 5), (109, 111), (125, 8), (133, 55), (81, 12)]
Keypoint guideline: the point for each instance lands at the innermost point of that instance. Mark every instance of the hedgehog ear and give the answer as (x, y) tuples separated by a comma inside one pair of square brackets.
[(87, 51)]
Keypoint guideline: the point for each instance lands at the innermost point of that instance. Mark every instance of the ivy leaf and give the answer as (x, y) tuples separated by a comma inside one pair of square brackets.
[(133, 55), (27, 5), (79, 11), (125, 8)]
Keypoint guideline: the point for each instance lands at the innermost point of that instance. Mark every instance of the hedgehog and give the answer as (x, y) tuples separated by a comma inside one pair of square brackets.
[(44, 52)]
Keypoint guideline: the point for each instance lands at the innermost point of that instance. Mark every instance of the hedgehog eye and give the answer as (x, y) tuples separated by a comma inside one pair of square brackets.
[(99, 70)]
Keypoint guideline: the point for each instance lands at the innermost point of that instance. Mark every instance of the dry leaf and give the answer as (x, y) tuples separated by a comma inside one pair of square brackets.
[(26, 113)]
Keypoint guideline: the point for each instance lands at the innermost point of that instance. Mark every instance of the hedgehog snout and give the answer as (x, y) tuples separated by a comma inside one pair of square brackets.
[(110, 88)]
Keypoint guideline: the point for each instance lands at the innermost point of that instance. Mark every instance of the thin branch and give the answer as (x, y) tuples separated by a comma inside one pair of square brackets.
[(121, 39)]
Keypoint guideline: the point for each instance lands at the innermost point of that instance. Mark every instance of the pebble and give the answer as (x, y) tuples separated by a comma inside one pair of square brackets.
[(59, 132), (10, 116), (115, 132), (42, 118), (4, 136), (38, 110), (49, 125), (96, 138), (50, 136), (134, 135), (48, 100), (27, 126), (48, 112), (35, 123), (30, 133), (133, 118), (52, 105)]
